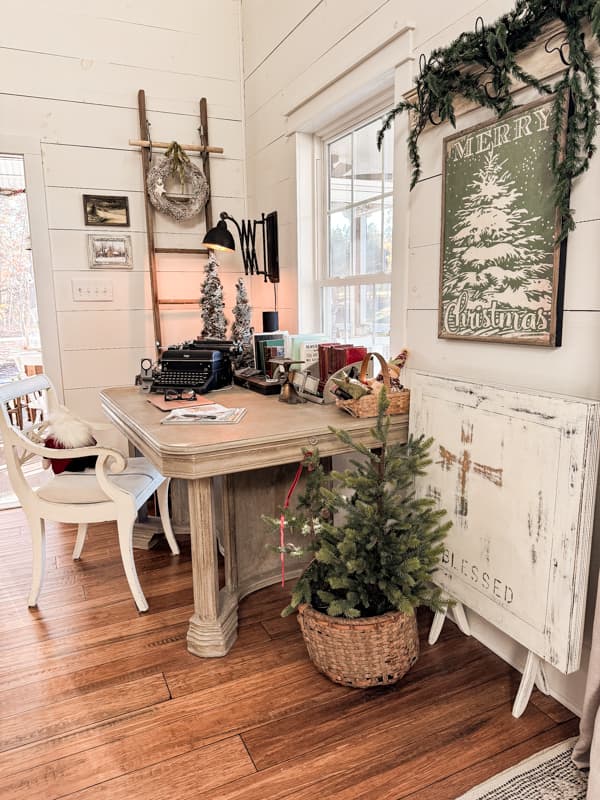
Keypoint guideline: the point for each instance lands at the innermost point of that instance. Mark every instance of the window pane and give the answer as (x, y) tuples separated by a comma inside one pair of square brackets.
[(340, 244), (368, 173), (340, 172), (367, 237), (388, 222), (358, 315)]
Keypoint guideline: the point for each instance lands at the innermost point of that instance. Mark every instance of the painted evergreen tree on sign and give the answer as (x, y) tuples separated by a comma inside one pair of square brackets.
[(494, 244), (212, 303)]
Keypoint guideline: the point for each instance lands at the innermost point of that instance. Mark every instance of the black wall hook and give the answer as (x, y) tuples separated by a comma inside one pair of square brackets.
[(560, 49)]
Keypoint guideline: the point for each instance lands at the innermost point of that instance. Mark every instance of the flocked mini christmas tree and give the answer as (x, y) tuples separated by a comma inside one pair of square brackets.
[(212, 303), (241, 331), (375, 544)]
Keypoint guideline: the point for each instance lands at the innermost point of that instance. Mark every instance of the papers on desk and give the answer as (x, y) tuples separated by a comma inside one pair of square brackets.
[(211, 414)]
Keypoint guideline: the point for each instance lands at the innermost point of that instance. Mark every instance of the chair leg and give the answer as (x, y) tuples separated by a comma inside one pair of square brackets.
[(38, 546), (80, 541), (125, 528), (163, 507)]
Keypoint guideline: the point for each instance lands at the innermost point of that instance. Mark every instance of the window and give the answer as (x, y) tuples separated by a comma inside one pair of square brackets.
[(355, 283)]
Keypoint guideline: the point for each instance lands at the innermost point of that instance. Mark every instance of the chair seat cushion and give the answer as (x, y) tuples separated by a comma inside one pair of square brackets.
[(83, 487)]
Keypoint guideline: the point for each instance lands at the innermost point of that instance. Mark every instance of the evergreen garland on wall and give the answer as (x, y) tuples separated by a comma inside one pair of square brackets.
[(481, 67)]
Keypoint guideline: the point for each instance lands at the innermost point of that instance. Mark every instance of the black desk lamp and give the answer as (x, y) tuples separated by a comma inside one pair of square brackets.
[(221, 238)]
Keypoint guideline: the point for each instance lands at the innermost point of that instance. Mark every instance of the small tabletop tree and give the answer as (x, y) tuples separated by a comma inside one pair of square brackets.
[(241, 331), (375, 548), (212, 303)]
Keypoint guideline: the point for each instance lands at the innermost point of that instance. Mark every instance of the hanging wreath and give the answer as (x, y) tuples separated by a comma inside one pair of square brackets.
[(194, 186), (481, 67)]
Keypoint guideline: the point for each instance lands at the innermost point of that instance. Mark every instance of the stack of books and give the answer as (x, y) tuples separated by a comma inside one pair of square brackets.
[(334, 357)]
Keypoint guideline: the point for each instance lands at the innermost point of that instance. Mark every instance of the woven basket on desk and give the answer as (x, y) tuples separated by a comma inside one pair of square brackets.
[(369, 651), (366, 406)]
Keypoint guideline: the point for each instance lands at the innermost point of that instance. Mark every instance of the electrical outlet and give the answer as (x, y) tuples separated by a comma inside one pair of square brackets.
[(92, 291)]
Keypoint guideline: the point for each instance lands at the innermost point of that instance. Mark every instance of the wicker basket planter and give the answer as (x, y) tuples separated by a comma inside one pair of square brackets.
[(369, 651), (366, 406)]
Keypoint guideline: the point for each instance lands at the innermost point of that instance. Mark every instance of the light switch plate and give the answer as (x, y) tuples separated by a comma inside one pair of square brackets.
[(91, 291)]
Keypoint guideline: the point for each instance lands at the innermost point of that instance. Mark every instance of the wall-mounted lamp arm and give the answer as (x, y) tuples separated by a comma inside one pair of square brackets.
[(220, 238)]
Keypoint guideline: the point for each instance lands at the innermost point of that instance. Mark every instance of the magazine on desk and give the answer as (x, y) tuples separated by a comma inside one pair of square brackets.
[(211, 414)]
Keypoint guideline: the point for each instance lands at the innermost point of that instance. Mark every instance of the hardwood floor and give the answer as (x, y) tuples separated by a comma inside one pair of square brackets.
[(98, 701)]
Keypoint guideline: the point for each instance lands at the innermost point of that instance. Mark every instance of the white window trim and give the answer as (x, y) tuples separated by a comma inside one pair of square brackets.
[(311, 174), (361, 116)]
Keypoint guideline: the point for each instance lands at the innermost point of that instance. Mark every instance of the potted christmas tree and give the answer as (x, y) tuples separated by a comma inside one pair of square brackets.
[(375, 546)]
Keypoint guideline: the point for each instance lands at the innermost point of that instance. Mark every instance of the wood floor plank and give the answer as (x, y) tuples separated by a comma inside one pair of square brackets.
[(97, 701), (240, 661), (169, 653), (410, 767), (70, 715), (330, 722), (60, 625), (462, 780), (396, 736), (93, 657), (174, 770), (178, 778), (550, 706), (221, 711), (60, 647)]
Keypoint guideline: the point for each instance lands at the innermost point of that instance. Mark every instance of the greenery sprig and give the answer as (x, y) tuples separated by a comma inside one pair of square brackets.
[(481, 66), (180, 162)]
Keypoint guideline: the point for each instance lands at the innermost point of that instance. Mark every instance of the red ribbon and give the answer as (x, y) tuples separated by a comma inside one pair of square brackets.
[(282, 516)]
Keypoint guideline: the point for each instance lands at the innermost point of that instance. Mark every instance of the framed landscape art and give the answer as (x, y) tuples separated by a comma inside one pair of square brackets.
[(501, 273), (105, 210), (109, 251)]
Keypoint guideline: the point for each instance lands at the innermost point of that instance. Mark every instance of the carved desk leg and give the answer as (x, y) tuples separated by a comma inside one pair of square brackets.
[(213, 628)]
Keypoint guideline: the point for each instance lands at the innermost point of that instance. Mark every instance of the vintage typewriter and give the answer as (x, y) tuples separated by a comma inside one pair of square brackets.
[(201, 364)]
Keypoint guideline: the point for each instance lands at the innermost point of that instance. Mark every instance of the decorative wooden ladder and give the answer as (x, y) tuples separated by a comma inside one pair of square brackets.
[(147, 145)]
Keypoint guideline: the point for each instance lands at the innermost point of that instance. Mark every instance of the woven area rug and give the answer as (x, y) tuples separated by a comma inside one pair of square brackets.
[(548, 775)]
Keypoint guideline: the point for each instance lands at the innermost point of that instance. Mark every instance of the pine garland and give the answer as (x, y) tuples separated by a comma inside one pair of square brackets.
[(481, 66)]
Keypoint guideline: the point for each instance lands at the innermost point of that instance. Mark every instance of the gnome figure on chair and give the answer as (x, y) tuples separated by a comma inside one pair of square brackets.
[(65, 431)]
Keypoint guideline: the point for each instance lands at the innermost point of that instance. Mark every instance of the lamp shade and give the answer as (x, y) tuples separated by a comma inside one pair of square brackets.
[(219, 237)]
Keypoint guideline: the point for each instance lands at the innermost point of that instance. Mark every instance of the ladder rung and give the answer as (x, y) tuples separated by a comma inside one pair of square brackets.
[(202, 251), (179, 302)]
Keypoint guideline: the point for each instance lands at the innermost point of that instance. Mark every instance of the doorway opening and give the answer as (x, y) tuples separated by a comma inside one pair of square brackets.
[(20, 346)]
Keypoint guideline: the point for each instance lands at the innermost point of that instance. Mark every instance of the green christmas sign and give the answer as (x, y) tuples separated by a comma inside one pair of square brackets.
[(500, 267)]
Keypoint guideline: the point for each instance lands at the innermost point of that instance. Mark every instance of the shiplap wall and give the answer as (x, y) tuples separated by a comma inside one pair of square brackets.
[(71, 71), (291, 52)]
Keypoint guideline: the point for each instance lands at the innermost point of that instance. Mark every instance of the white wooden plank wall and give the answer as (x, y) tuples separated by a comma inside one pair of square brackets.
[(293, 50), (290, 52), (70, 75), (571, 369)]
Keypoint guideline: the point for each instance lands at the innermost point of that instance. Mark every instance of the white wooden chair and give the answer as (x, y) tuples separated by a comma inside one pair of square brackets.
[(115, 490)]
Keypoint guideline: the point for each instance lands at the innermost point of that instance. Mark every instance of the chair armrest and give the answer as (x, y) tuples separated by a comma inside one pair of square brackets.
[(114, 458), (108, 460)]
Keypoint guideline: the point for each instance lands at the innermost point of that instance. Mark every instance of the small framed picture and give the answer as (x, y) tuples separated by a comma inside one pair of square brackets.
[(104, 210), (109, 252)]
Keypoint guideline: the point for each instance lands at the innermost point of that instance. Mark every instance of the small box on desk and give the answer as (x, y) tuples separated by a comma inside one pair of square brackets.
[(257, 383)]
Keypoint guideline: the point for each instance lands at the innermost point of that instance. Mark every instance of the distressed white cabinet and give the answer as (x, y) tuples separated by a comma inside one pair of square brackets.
[(516, 471)]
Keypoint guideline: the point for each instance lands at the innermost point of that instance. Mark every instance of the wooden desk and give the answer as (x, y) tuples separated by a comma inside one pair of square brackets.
[(271, 434)]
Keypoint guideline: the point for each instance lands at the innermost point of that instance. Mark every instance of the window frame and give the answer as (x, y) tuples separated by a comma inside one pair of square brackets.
[(361, 117)]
